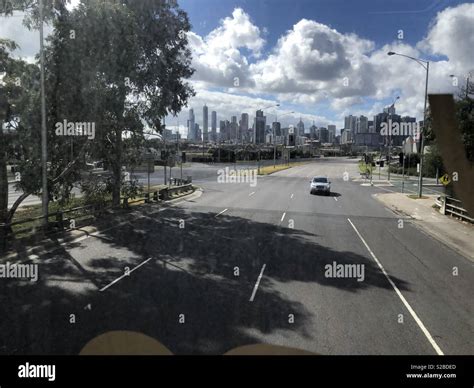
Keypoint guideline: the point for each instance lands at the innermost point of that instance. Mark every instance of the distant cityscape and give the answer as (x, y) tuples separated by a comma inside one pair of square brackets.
[(358, 131)]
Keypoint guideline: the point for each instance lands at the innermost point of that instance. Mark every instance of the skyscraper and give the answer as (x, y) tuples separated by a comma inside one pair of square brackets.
[(214, 125), (191, 126), (244, 126), (362, 124), (350, 123), (300, 128), (331, 133), (197, 132), (205, 119), (234, 128), (260, 122)]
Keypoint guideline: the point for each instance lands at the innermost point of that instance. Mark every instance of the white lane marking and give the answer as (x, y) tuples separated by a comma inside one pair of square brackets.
[(283, 217), (124, 275), (407, 305), (252, 193), (256, 284), (335, 198), (221, 212), (292, 195)]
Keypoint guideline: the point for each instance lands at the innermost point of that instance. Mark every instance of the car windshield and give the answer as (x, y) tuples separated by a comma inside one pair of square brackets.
[(154, 165)]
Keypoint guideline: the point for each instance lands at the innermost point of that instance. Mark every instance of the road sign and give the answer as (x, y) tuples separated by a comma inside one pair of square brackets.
[(445, 179)]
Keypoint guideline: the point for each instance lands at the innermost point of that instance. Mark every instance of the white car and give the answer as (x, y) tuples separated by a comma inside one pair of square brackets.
[(320, 184)]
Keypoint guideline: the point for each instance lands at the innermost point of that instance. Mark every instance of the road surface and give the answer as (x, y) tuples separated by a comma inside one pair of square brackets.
[(240, 265)]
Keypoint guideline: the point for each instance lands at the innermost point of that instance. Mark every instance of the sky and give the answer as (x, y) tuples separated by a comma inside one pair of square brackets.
[(321, 59)]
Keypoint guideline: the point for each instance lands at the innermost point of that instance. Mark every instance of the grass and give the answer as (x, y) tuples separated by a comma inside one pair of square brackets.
[(267, 170), (32, 211), (363, 167)]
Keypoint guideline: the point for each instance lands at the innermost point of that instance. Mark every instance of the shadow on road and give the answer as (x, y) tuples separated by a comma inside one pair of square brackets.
[(191, 272)]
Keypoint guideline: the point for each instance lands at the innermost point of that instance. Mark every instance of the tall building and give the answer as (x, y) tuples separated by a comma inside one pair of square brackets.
[(313, 132), (260, 123), (276, 128), (350, 123), (234, 128), (205, 119), (323, 135), (221, 130), (346, 136), (244, 127), (191, 125), (331, 133), (214, 125), (362, 125), (300, 128), (197, 132)]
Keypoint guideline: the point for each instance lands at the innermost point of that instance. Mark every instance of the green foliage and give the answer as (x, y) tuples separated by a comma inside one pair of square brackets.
[(119, 65)]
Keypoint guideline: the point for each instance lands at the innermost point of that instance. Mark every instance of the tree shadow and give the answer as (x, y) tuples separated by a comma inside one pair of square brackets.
[(192, 271)]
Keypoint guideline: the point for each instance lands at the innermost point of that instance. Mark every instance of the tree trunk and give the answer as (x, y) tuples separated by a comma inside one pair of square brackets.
[(117, 169), (3, 178)]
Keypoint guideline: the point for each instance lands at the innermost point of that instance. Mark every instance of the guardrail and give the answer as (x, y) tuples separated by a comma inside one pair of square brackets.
[(60, 218), (453, 207)]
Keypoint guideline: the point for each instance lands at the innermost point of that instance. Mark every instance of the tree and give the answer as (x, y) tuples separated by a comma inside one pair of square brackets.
[(18, 133), (120, 66)]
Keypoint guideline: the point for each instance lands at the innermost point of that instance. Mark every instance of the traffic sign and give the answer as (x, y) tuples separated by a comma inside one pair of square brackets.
[(445, 179)]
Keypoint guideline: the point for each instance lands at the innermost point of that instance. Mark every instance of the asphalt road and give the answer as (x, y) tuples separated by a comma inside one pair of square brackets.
[(278, 239)]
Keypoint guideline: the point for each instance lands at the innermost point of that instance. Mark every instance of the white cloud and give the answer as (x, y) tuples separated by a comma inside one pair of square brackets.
[(217, 57), (452, 34), (312, 64)]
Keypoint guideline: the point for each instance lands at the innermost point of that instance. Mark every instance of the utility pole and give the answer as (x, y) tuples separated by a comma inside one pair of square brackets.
[(44, 137), (420, 177)]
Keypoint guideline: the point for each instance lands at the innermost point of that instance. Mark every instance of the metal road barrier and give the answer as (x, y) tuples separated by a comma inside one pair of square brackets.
[(453, 207), (61, 220)]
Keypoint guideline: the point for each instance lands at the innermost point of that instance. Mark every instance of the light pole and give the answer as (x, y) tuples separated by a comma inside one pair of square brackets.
[(426, 66), (44, 137)]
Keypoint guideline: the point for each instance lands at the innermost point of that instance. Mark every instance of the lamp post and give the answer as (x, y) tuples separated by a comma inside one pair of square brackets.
[(426, 66), (44, 137)]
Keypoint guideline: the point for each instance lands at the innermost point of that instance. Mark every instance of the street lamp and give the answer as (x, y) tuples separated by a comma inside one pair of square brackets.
[(426, 66)]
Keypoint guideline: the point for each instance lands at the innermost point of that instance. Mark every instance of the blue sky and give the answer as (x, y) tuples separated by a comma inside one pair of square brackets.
[(425, 25), (323, 42), (377, 20)]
